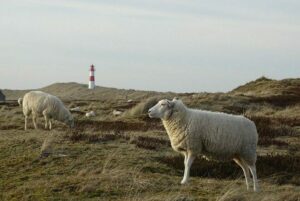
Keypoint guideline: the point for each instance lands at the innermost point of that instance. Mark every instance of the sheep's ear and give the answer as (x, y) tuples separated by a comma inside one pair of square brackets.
[(171, 104), (175, 99)]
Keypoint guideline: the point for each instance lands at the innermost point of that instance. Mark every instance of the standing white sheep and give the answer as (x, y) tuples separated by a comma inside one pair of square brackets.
[(211, 134), (39, 103)]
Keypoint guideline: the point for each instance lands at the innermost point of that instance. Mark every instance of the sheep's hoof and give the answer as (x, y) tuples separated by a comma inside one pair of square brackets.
[(183, 182)]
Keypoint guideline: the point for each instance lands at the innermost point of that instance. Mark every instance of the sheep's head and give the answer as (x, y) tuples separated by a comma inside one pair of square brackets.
[(69, 120), (162, 110)]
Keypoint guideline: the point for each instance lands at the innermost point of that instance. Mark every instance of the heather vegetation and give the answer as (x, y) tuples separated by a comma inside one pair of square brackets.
[(128, 157)]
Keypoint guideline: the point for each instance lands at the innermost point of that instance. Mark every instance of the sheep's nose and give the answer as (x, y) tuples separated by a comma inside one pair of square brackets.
[(149, 111)]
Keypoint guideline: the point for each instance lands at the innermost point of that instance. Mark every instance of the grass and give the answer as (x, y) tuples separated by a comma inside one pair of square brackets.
[(130, 158), (264, 87), (95, 164), (117, 170), (141, 109)]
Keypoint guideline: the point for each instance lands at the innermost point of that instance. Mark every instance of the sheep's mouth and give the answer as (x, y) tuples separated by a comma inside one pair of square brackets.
[(151, 115)]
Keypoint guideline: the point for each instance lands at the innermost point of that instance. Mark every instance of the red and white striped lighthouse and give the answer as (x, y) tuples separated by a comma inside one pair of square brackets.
[(92, 77)]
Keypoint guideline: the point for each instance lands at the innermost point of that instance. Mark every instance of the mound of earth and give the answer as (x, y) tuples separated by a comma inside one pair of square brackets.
[(264, 87), (76, 91)]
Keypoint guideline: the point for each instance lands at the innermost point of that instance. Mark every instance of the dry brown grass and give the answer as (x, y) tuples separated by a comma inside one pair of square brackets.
[(270, 128), (267, 87), (110, 158), (150, 143), (142, 108), (77, 136), (277, 169), (117, 125)]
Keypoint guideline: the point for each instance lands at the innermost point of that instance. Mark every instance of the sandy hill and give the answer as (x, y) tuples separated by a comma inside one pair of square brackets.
[(261, 88), (76, 91)]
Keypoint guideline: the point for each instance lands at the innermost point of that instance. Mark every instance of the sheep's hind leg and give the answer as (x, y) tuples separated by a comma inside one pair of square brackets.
[(254, 176), (34, 119), (245, 170), (26, 115), (188, 161), (26, 121), (46, 119), (46, 122)]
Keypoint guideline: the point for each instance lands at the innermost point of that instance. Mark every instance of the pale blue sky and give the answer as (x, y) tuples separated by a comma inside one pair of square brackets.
[(161, 45)]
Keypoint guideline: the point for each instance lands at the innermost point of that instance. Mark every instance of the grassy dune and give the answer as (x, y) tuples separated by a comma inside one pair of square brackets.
[(129, 157)]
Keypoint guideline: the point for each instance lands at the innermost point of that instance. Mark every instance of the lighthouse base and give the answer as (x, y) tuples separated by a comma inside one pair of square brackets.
[(91, 85)]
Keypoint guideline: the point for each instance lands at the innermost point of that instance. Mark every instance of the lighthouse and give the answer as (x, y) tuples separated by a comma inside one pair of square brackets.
[(92, 77)]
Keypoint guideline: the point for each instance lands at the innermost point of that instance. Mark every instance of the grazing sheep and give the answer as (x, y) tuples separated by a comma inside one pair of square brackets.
[(211, 134), (39, 103), (20, 100)]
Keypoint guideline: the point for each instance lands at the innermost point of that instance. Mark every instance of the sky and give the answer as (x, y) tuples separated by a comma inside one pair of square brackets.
[(160, 45)]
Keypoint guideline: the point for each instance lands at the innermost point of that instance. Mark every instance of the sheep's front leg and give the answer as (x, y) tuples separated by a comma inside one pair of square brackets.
[(26, 120), (253, 172), (50, 124), (188, 161)]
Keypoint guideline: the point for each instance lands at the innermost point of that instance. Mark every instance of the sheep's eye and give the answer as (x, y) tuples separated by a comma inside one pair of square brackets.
[(163, 104)]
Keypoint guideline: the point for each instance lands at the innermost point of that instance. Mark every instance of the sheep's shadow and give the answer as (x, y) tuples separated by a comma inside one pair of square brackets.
[(277, 169)]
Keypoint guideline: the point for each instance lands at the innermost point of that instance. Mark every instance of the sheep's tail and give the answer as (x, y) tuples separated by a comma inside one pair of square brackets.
[(20, 101)]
